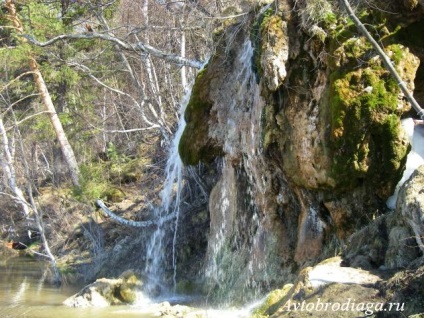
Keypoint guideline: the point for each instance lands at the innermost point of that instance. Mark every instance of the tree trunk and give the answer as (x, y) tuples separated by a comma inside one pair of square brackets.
[(6, 161), (65, 146)]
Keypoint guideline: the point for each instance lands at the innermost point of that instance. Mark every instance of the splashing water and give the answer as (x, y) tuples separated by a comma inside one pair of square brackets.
[(170, 207), (237, 265)]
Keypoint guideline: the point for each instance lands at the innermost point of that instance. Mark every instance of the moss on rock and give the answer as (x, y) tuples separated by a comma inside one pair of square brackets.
[(195, 145), (365, 110), (273, 301)]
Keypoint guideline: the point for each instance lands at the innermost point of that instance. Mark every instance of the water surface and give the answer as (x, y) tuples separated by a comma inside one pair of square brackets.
[(24, 292)]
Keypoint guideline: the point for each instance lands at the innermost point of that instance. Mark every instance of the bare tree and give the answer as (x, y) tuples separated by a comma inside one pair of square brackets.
[(29, 208), (6, 161)]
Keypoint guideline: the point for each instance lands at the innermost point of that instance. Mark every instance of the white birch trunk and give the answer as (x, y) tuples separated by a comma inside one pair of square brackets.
[(6, 161)]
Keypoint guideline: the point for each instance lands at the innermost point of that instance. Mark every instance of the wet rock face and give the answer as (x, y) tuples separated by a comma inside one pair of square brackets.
[(395, 239), (411, 205), (307, 140), (274, 51)]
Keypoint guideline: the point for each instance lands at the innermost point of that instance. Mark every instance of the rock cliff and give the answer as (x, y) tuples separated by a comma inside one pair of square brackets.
[(301, 121)]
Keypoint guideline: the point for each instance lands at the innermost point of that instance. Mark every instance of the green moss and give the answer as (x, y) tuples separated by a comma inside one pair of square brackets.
[(256, 35), (364, 113), (186, 287), (195, 146), (113, 194), (397, 53), (365, 127), (272, 303)]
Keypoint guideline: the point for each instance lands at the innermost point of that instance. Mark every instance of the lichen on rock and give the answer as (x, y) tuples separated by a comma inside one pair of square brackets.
[(274, 51)]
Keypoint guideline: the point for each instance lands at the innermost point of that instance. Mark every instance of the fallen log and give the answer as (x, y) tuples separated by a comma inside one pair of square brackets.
[(124, 221)]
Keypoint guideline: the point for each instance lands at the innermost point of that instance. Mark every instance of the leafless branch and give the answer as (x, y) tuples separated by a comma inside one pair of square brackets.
[(139, 47), (28, 118), (18, 101), (14, 80)]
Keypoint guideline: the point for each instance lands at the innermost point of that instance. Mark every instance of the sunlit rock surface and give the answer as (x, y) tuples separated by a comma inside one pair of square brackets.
[(302, 123), (105, 292)]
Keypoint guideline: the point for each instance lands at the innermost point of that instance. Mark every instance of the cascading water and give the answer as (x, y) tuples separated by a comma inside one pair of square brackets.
[(237, 265), (415, 133), (171, 197)]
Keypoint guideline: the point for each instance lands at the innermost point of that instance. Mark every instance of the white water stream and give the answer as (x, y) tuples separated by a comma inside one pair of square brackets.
[(248, 95), (171, 199)]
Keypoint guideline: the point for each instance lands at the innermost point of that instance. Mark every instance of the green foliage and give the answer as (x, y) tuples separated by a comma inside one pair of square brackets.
[(102, 179), (272, 302), (257, 32), (60, 74), (42, 19), (111, 151), (43, 127), (317, 12), (93, 182)]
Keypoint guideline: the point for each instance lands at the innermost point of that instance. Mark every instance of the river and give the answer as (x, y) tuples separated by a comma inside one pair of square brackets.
[(24, 292)]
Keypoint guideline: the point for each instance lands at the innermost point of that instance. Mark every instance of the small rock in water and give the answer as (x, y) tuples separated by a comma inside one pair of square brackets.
[(105, 292)]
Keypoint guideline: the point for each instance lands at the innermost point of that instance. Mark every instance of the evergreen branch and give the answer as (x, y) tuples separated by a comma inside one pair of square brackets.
[(139, 47), (15, 79)]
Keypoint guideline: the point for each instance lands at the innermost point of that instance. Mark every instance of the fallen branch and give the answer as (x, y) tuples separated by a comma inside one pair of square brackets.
[(124, 221)]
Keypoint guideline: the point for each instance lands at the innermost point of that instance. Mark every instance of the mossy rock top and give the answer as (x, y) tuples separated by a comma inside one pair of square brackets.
[(365, 109), (195, 145)]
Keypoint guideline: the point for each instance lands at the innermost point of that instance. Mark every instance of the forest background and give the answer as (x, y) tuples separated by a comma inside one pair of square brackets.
[(90, 93)]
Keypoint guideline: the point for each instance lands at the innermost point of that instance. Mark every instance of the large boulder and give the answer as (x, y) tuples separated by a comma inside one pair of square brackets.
[(395, 239), (105, 292), (387, 241), (410, 204), (320, 289)]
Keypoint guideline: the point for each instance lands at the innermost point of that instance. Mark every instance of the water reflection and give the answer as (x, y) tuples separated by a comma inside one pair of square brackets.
[(24, 292)]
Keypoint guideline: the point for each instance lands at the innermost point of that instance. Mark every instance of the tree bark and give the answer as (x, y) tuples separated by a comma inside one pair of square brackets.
[(132, 223), (6, 161), (136, 47), (65, 146), (386, 60)]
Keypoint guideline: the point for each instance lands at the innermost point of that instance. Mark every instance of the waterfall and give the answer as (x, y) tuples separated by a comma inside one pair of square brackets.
[(170, 205), (238, 266)]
